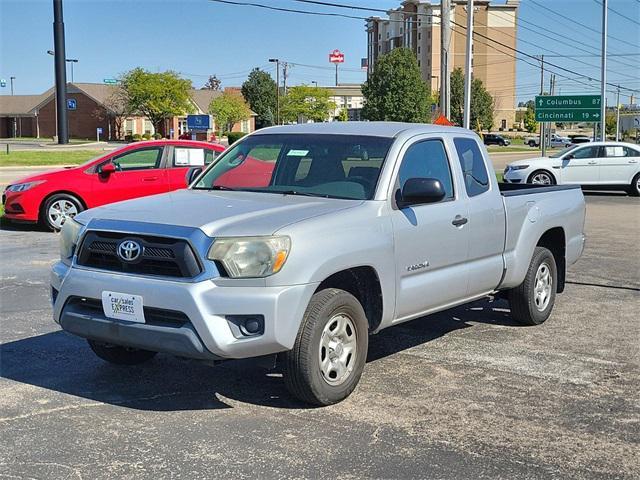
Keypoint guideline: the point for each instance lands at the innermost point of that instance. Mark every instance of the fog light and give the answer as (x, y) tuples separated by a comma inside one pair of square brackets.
[(246, 325)]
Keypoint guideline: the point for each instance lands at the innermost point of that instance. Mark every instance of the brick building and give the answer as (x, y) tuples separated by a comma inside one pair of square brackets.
[(92, 106)]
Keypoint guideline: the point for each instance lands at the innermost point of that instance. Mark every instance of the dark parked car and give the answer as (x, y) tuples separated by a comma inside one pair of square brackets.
[(493, 139), (579, 139)]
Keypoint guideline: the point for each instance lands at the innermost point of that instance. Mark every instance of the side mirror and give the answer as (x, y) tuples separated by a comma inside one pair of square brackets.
[(192, 174), (418, 191), (107, 169)]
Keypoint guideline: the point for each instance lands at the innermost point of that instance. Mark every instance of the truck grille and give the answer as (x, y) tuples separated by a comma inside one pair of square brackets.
[(168, 257)]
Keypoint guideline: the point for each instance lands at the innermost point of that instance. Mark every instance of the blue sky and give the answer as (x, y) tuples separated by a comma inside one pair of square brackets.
[(200, 37)]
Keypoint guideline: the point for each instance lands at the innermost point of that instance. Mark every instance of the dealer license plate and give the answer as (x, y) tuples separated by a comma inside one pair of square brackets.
[(123, 306)]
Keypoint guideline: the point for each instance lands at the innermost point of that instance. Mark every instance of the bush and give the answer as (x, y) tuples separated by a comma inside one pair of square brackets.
[(136, 137), (128, 138), (233, 137), (147, 136), (157, 136)]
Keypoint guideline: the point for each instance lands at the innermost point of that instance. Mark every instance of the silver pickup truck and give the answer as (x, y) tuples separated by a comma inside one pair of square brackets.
[(323, 235)]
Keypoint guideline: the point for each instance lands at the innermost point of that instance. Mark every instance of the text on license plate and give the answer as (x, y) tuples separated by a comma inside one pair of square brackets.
[(123, 306)]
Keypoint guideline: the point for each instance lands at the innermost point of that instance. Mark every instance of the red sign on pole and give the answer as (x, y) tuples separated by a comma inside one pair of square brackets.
[(336, 57)]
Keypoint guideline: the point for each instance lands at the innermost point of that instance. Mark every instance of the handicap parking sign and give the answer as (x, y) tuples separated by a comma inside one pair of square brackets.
[(71, 103)]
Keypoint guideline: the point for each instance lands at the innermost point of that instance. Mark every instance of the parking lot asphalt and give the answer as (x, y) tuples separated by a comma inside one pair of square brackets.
[(466, 393)]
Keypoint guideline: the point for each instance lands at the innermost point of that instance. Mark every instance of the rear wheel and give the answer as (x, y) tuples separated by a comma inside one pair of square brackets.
[(541, 177), (58, 209), (634, 188), (328, 357), (120, 355), (532, 301)]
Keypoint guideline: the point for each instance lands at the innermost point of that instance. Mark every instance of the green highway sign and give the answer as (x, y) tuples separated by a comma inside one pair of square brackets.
[(568, 115), (568, 108), (110, 81)]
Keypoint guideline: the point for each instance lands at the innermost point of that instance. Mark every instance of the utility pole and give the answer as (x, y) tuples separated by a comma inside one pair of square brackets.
[(618, 114), (11, 79), (445, 41), (277, 62), (542, 129), (469, 59), (603, 74), (61, 74), (552, 90)]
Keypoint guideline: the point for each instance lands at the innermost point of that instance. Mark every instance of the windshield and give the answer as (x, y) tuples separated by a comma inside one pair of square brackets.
[(333, 166), (563, 151)]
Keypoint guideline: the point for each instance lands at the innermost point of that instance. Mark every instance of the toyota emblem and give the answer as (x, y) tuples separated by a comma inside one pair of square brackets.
[(129, 250)]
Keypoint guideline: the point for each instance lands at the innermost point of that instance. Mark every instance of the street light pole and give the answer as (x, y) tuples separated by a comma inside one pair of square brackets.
[(71, 61), (618, 114), (603, 74), (61, 74), (12, 79), (445, 41), (277, 62)]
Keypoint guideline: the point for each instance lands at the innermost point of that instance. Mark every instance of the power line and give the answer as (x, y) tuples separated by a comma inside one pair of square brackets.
[(618, 13), (306, 12)]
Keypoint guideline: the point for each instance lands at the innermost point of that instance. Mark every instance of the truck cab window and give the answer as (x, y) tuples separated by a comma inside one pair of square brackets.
[(427, 159), (476, 179)]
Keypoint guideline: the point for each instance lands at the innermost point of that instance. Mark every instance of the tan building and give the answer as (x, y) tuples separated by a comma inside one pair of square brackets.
[(346, 97), (416, 25)]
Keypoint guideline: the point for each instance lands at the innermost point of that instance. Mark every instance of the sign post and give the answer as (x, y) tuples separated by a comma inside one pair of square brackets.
[(336, 57), (98, 132), (568, 108)]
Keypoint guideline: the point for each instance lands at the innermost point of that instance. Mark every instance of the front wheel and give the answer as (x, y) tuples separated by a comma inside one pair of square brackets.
[(634, 188), (541, 177), (330, 351), (120, 355), (531, 302), (58, 209)]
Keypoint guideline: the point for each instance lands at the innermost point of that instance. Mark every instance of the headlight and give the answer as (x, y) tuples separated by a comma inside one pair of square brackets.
[(250, 257), (517, 167), (69, 238), (22, 187)]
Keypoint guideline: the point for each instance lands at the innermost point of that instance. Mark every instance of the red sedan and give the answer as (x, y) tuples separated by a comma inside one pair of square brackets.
[(137, 170)]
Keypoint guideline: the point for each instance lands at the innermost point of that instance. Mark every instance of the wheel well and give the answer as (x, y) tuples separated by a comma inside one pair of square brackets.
[(362, 283), (554, 240), (64, 192)]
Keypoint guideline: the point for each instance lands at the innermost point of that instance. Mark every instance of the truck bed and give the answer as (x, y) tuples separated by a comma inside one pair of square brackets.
[(514, 189)]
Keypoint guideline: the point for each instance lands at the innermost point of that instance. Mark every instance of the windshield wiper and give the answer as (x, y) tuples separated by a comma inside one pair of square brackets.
[(221, 187), (297, 192)]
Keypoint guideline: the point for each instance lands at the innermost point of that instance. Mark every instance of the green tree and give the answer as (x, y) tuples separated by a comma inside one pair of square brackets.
[(213, 83), (156, 95), (610, 124), (306, 102), (481, 102), (395, 90), (530, 123), (259, 90), (343, 115), (228, 109)]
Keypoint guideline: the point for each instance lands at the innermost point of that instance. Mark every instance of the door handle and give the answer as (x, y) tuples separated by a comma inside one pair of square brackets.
[(593, 163), (459, 221), (633, 161), (150, 179)]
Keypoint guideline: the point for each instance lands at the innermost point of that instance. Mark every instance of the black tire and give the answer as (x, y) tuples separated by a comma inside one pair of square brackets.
[(552, 179), (302, 365), (634, 188), (120, 355), (522, 299), (501, 143), (59, 198), (531, 143)]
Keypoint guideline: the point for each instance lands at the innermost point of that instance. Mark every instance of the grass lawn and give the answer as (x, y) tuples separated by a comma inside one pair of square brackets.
[(31, 158)]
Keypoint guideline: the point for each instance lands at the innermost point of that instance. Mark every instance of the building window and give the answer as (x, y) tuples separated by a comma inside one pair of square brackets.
[(418, 62), (419, 35), (129, 126), (418, 49), (244, 126)]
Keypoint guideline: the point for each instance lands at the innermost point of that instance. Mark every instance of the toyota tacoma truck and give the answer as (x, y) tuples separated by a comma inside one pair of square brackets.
[(338, 231)]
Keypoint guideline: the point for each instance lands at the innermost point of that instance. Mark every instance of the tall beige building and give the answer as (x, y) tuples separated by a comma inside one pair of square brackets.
[(416, 25)]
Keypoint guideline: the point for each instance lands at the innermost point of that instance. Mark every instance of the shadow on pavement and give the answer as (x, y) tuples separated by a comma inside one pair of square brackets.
[(61, 362), (8, 225)]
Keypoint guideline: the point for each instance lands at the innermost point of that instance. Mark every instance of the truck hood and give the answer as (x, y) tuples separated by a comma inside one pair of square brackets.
[(219, 213)]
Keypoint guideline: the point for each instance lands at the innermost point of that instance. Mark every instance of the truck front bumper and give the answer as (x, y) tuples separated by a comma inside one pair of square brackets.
[(201, 319)]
